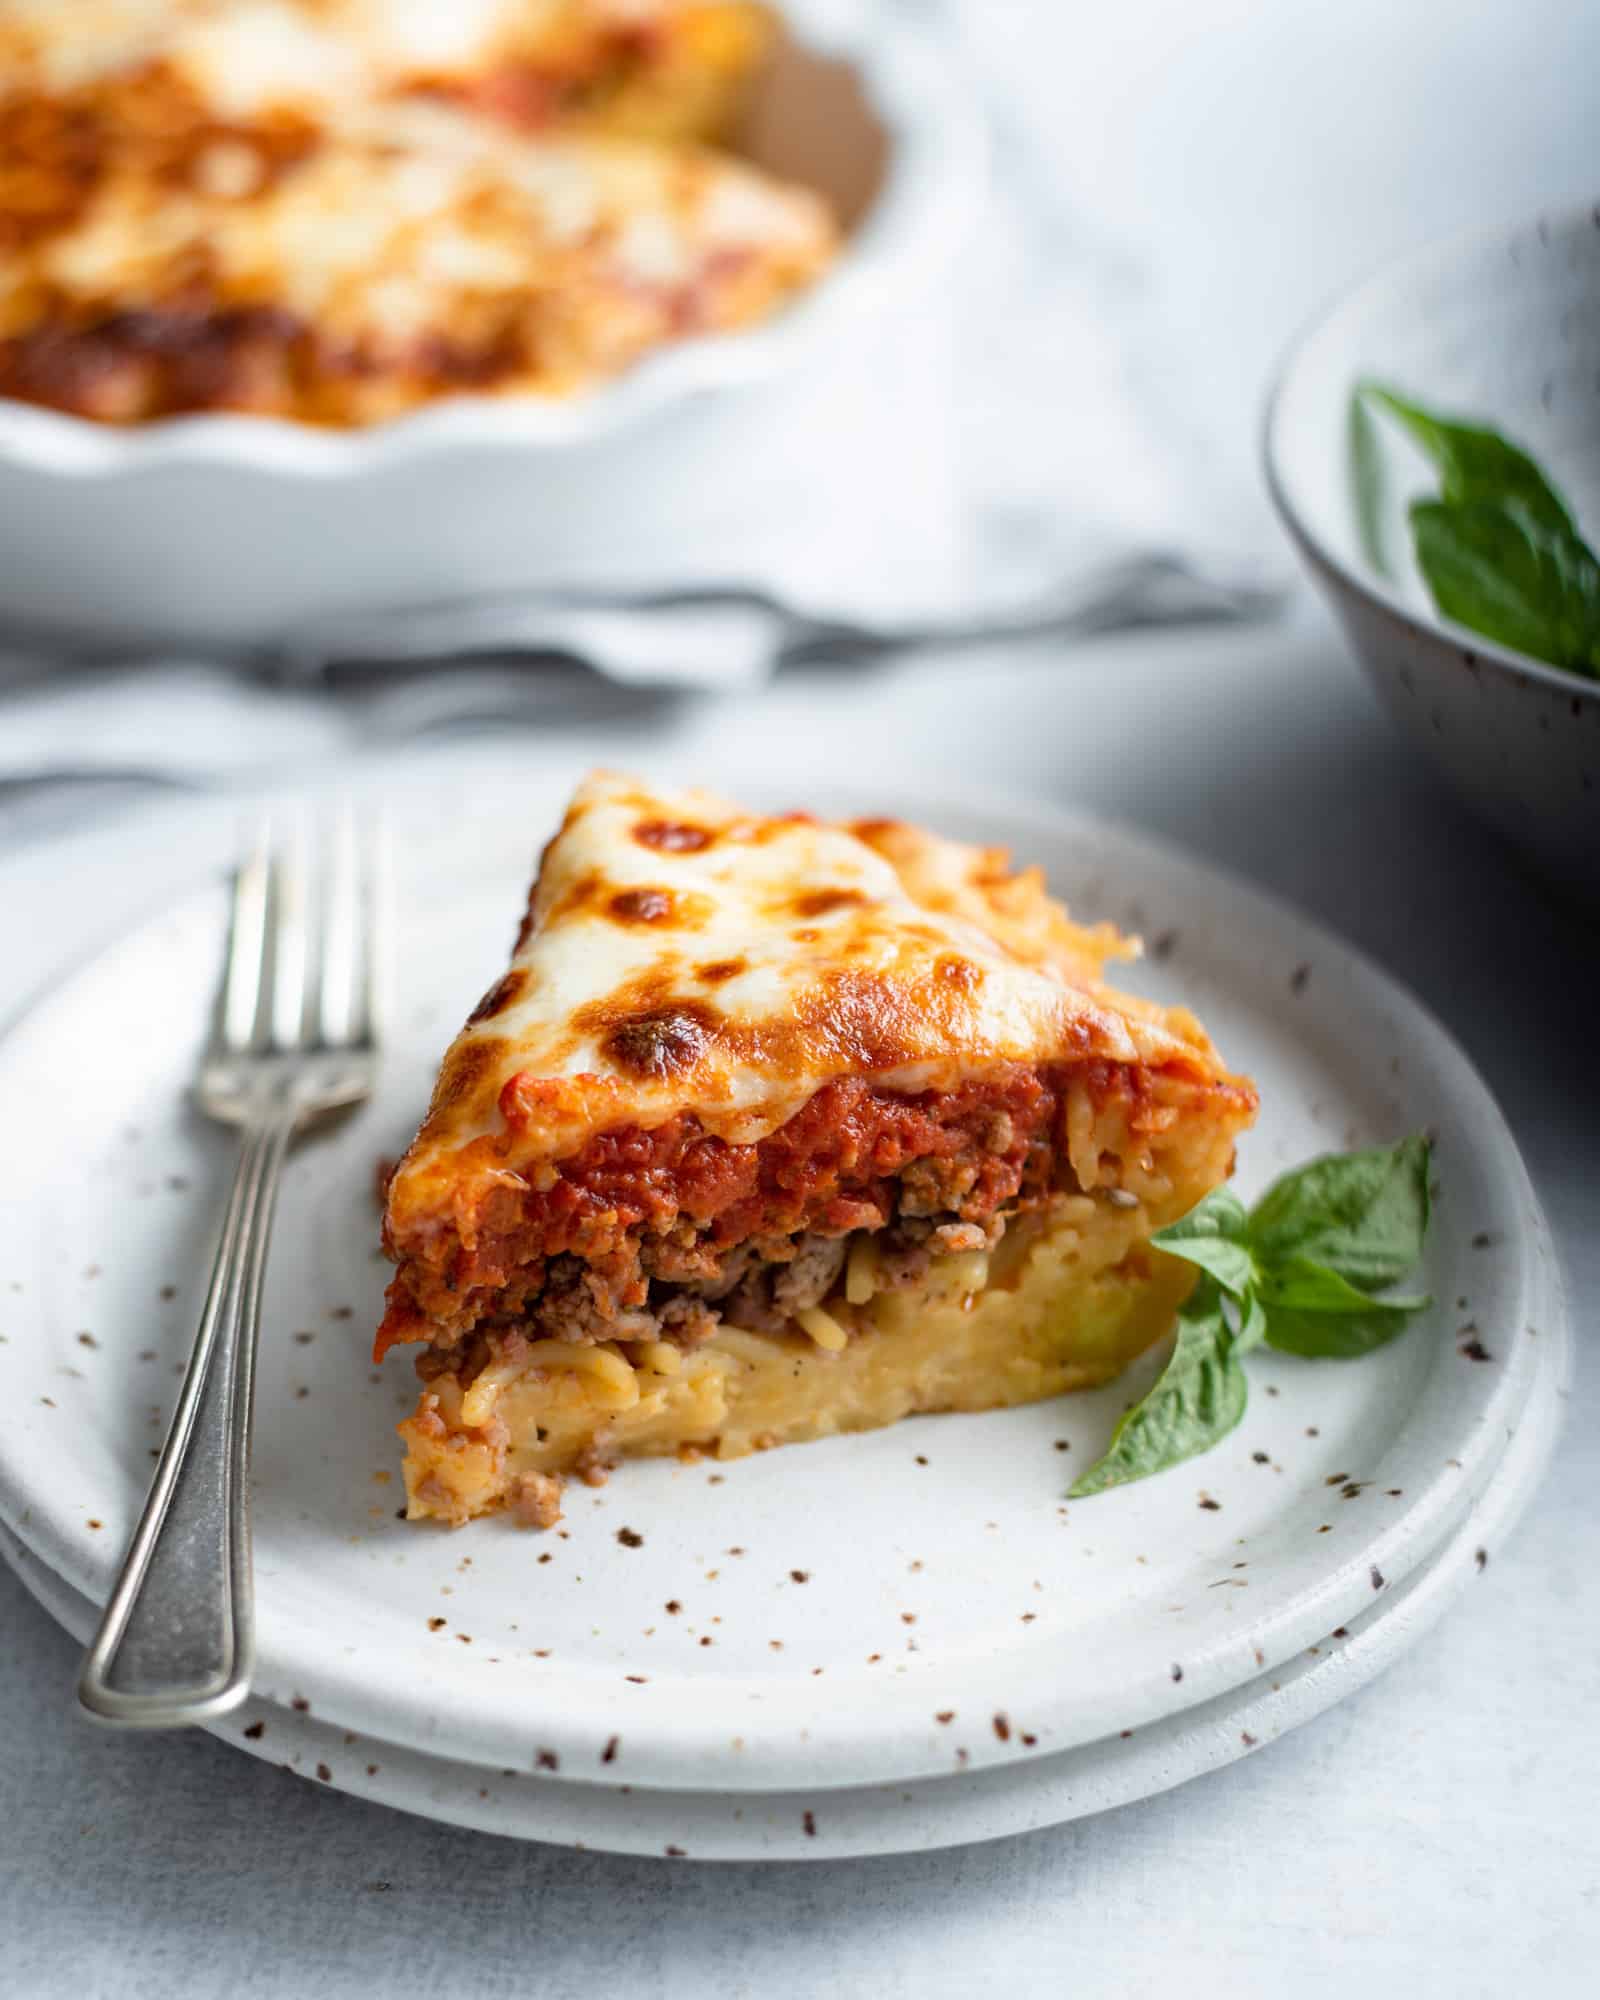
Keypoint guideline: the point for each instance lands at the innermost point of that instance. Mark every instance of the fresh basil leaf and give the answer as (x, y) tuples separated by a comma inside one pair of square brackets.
[(1252, 1326), (1368, 483), (1493, 566), (1363, 1215), (1339, 1336), (1304, 1286), (1198, 1399), (1297, 1272), (1475, 463), (1311, 1310), (1213, 1235)]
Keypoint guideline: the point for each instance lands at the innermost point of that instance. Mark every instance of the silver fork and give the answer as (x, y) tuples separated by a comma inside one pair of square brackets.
[(295, 1039)]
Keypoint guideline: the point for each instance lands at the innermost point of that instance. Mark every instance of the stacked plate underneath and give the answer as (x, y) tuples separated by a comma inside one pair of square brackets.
[(875, 1644)]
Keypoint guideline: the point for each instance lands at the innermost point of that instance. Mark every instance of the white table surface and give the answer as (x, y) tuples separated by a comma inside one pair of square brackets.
[(1436, 1832)]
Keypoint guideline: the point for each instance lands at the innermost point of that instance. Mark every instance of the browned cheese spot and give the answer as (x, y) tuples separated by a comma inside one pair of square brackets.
[(823, 902), (499, 996), (468, 1069), (670, 836), (641, 906), (661, 1043), (960, 973)]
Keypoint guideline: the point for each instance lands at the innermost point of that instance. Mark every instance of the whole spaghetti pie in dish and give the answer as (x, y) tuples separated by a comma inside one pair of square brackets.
[(776, 1129), (340, 210)]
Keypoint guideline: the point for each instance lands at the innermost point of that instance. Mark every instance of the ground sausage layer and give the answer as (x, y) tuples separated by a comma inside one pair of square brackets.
[(657, 1234)]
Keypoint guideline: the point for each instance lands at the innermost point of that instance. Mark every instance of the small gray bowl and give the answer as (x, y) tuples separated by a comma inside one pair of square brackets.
[(1504, 330)]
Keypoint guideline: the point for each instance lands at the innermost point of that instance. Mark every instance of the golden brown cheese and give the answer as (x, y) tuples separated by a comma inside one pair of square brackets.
[(347, 279), (653, 68), (332, 209), (778, 955)]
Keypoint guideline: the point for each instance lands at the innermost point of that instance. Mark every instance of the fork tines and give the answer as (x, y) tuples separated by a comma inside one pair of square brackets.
[(307, 935)]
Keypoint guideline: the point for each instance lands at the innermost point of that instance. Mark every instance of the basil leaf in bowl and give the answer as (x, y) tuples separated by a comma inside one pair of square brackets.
[(1498, 548)]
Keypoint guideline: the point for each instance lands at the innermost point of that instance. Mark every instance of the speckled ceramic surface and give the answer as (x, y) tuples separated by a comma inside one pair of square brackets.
[(930, 1812), (878, 1609), (1504, 330)]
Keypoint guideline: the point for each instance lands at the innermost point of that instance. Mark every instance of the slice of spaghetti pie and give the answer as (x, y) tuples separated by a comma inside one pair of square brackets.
[(777, 1129)]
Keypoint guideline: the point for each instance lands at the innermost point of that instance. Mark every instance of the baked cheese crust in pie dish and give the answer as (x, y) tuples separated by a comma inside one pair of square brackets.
[(662, 69), (776, 1129), (201, 213)]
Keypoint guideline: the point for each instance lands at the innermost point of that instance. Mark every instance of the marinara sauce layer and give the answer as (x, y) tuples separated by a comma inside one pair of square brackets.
[(853, 1157)]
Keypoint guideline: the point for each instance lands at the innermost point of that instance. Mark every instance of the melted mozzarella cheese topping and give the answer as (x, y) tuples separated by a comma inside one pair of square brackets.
[(245, 56), (417, 219), (338, 209), (684, 955)]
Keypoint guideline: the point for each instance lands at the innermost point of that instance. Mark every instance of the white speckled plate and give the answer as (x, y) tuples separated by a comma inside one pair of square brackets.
[(928, 1812), (838, 1601)]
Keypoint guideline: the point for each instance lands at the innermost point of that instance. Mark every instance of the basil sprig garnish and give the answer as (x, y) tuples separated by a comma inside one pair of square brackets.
[(1499, 549), (1301, 1271)]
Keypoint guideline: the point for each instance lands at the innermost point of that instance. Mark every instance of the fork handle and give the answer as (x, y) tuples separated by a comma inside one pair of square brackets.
[(177, 1642)]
